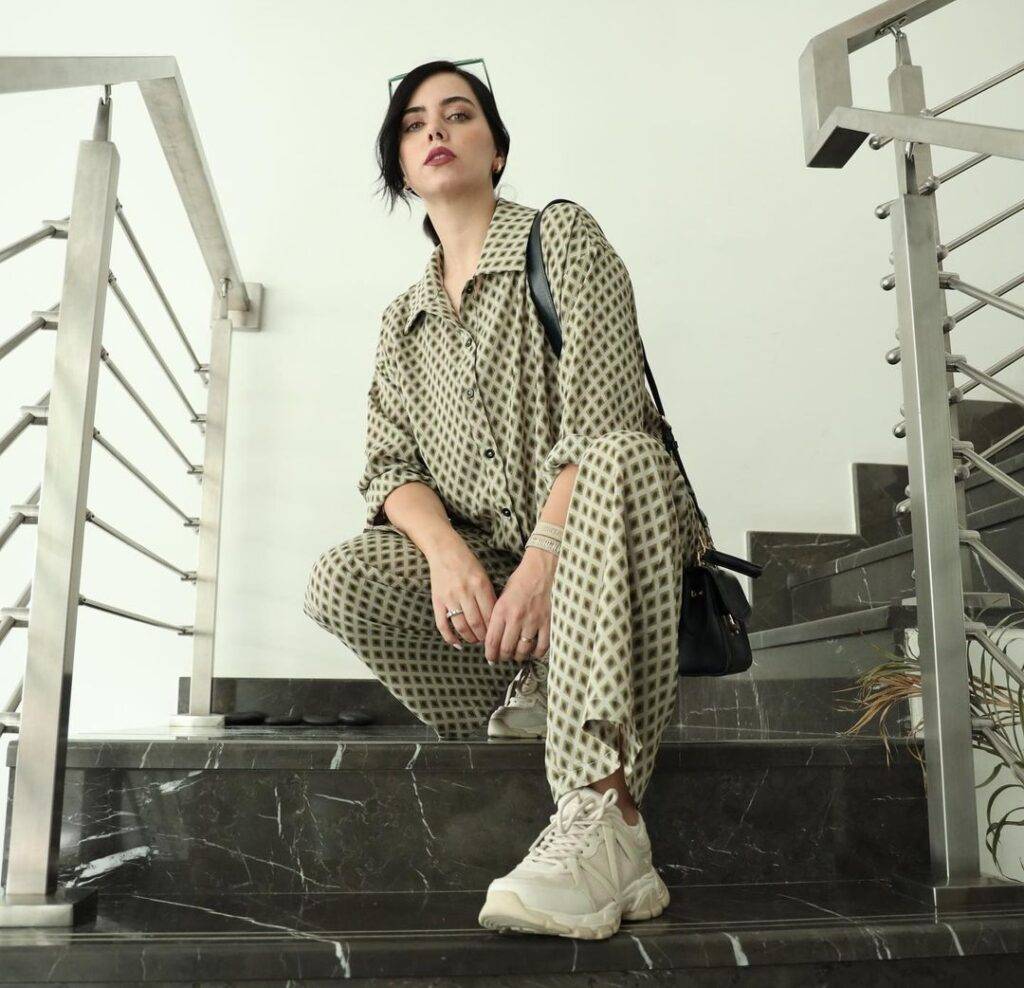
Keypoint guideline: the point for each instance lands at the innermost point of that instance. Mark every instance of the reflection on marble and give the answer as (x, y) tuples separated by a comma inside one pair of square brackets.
[(396, 811), (813, 933)]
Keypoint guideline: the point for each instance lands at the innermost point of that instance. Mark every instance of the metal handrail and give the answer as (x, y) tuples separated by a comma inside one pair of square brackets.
[(963, 97), (30, 896), (946, 553), (163, 91)]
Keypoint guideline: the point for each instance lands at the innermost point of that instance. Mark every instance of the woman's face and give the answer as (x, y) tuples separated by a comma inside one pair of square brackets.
[(444, 112)]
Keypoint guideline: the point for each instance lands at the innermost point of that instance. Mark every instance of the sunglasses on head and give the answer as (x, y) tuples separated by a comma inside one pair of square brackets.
[(395, 79)]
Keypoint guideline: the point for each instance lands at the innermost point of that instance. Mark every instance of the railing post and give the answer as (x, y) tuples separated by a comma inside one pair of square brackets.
[(31, 896), (952, 814), (938, 514), (200, 697)]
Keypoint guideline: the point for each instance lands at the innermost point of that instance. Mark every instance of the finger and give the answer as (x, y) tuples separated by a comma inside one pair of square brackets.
[(492, 644), (542, 644), (461, 625), (525, 649), (510, 639), (486, 599), (474, 619), (444, 626)]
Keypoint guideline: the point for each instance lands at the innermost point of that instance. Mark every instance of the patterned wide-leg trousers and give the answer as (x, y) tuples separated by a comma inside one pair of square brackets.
[(631, 527)]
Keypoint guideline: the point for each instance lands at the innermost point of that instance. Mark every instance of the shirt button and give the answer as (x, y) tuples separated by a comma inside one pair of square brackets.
[(506, 512), (469, 287), (470, 392), (468, 341), (488, 452)]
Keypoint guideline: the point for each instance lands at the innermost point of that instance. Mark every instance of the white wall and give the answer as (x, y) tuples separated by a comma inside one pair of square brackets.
[(756, 277)]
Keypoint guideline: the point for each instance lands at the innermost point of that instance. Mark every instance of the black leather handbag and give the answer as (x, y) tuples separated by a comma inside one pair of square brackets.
[(712, 622)]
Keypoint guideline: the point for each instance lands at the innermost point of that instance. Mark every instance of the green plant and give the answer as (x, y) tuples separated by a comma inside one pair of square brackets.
[(893, 683)]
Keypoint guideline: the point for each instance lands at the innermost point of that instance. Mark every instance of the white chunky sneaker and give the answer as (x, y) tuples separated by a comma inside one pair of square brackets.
[(524, 714), (585, 872)]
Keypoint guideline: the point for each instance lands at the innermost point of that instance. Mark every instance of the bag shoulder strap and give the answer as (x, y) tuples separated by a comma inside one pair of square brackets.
[(540, 290)]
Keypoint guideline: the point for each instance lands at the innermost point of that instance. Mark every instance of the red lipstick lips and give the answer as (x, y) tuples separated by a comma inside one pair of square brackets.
[(439, 153)]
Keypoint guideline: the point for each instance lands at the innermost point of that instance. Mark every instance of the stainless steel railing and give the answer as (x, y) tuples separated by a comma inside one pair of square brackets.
[(946, 553), (47, 607)]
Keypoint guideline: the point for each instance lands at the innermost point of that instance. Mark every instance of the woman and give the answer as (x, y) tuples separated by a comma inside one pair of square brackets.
[(490, 462)]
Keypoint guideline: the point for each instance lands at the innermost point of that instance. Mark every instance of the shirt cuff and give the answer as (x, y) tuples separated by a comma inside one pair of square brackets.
[(569, 449), (376, 492)]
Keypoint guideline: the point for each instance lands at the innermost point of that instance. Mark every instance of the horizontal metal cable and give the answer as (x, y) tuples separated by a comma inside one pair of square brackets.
[(6, 624), (45, 232), (182, 629), (949, 279), (1005, 752), (1000, 444), (13, 342), (188, 576), (973, 540), (112, 367), (933, 182), (16, 520), (137, 323), (957, 362), (979, 631), (136, 246), (190, 521), (937, 111), (969, 310), (964, 449), (26, 420), (1011, 358), (983, 227)]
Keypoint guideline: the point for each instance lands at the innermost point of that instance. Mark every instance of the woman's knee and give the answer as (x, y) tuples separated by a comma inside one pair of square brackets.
[(325, 586), (624, 446)]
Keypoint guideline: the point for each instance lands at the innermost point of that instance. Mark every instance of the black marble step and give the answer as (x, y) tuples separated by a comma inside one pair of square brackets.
[(851, 933), (879, 487), (393, 809), (770, 700), (794, 557), (878, 574)]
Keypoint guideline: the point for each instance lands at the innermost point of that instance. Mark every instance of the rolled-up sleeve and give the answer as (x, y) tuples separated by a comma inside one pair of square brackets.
[(392, 454), (601, 370)]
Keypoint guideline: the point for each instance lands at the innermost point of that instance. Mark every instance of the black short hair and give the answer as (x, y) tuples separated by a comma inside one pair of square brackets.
[(390, 134)]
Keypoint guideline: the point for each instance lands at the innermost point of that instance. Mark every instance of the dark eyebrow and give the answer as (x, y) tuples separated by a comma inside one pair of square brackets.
[(444, 102)]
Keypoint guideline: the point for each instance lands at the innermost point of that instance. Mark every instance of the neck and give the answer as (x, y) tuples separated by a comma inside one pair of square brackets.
[(461, 224)]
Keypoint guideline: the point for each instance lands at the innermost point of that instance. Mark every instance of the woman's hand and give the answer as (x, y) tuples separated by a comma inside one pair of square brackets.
[(524, 609), (458, 580)]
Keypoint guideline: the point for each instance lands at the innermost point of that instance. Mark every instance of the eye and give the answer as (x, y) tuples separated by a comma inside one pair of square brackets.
[(457, 113)]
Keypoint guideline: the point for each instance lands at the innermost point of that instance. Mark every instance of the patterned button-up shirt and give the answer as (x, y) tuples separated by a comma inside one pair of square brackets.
[(477, 405)]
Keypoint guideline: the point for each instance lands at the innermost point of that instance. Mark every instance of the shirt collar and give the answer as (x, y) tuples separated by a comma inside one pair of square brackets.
[(504, 249)]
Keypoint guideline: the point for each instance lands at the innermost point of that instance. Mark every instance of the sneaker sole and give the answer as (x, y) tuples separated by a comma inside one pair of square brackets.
[(501, 730), (504, 912)]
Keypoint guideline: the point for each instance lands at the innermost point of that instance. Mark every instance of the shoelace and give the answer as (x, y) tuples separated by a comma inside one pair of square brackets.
[(526, 681), (574, 819)]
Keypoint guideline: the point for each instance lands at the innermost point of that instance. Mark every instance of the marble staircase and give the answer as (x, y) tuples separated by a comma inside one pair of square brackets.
[(278, 855)]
